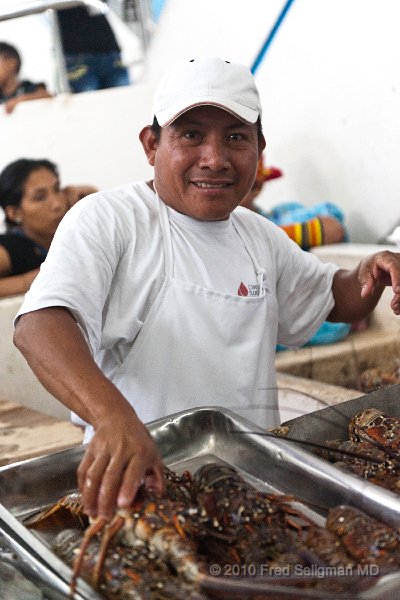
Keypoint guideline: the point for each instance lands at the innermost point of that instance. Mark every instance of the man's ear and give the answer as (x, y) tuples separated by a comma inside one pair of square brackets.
[(149, 142)]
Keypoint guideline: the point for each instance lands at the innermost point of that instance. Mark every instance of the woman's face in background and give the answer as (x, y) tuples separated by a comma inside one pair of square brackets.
[(42, 205)]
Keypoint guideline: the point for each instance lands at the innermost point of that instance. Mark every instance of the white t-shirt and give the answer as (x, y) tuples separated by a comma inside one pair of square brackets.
[(106, 265)]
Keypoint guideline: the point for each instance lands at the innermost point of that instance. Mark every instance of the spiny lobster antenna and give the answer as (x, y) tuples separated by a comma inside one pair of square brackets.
[(330, 449)]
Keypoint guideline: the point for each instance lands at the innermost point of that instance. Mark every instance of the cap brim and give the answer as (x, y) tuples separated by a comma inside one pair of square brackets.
[(244, 113)]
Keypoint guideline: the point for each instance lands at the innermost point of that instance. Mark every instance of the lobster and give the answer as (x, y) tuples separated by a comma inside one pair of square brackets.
[(372, 450), (365, 539), (162, 548), (377, 428)]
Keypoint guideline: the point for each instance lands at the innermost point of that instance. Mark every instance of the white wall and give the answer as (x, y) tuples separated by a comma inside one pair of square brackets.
[(93, 137), (17, 381), (330, 86)]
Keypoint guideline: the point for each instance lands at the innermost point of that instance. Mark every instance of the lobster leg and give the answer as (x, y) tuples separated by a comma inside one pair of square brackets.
[(94, 528), (112, 529)]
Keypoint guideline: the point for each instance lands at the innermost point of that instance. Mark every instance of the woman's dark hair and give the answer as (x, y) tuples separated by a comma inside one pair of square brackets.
[(13, 179)]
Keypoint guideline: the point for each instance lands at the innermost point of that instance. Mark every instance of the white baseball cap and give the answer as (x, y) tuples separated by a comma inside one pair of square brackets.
[(207, 80)]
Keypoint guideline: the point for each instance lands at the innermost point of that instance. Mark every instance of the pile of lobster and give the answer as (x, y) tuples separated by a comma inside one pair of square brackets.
[(372, 450), (215, 535), (374, 379)]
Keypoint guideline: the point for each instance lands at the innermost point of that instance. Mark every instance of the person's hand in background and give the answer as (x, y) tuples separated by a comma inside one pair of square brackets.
[(74, 193)]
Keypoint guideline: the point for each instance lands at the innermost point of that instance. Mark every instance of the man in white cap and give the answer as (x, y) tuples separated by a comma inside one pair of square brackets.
[(166, 295)]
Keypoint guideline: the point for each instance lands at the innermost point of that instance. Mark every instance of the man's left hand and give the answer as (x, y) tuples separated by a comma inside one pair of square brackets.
[(380, 270)]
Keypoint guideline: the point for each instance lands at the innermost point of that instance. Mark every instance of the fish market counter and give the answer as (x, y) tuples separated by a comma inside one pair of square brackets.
[(26, 433)]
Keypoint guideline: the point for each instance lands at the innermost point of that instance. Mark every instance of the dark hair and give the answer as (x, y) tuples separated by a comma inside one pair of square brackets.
[(9, 51), (259, 129), (13, 179), (156, 128)]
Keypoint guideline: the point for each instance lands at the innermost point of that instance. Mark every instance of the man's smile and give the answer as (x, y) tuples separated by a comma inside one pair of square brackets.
[(212, 185)]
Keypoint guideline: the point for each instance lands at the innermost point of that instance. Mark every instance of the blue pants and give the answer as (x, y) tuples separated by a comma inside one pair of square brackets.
[(91, 71)]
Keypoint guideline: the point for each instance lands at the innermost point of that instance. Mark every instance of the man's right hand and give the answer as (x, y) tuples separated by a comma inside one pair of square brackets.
[(120, 456)]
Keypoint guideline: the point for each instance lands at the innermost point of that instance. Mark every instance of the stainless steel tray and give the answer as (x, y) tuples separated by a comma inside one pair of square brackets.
[(186, 441), (332, 423)]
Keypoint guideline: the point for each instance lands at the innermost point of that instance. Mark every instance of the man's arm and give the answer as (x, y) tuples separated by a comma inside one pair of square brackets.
[(357, 292), (121, 453)]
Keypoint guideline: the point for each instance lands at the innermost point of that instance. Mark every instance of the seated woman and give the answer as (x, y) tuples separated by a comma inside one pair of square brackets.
[(34, 205)]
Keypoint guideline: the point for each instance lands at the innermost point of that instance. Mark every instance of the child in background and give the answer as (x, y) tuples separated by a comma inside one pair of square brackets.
[(12, 89), (317, 225)]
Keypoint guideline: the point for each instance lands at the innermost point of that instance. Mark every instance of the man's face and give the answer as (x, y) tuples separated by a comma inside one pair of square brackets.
[(204, 162)]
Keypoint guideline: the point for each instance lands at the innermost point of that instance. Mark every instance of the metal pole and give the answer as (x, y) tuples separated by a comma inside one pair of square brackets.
[(62, 82), (22, 9), (271, 36), (144, 15)]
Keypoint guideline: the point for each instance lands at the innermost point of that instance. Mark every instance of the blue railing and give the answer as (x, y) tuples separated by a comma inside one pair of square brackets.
[(271, 35)]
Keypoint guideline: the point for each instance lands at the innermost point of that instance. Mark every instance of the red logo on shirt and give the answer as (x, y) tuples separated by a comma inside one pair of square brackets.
[(243, 291)]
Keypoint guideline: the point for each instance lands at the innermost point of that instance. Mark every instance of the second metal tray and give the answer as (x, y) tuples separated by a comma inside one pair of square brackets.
[(332, 422)]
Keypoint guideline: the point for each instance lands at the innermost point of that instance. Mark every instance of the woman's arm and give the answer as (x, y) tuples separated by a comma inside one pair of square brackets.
[(74, 193), (17, 284), (5, 262), (10, 285)]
